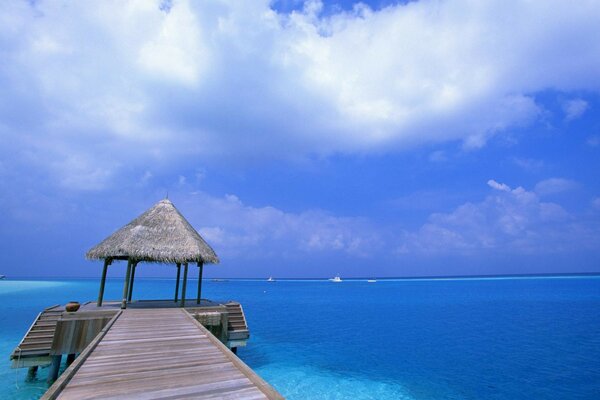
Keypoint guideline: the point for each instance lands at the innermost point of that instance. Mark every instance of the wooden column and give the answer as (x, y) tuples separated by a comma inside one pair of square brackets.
[(31, 373), (54, 368), (133, 268), (184, 284), (107, 262), (126, 284), (200, 268), (177, 283)]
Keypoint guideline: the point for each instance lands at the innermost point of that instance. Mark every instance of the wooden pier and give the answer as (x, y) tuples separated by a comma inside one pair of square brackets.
[(158, 354), (145, 349)]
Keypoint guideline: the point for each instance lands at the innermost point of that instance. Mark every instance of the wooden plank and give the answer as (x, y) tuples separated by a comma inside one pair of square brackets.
[(73, 335), (160, 354), (257, 380)]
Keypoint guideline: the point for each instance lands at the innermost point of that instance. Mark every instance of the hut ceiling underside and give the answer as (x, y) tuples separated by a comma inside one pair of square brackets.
[(138, 259)]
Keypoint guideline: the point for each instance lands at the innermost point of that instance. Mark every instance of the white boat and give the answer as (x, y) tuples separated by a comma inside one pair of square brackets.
[(271, 279), (336, 278), (2, 276), (371, 280)]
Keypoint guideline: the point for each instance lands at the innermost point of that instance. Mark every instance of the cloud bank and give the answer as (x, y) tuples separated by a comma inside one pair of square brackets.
[(239, 230), (507, 220), (91, 91)]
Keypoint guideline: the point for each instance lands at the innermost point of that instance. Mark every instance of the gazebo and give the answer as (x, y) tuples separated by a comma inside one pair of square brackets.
[(159, 235)]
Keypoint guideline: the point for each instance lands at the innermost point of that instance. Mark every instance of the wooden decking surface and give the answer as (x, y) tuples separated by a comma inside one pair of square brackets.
[(116, 304), (162, 354)]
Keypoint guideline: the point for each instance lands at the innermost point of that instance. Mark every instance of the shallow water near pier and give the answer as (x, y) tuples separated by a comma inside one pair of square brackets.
[(516, 338)]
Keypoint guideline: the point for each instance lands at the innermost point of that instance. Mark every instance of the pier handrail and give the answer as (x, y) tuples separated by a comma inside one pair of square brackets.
[(54, 390), (262, 385)]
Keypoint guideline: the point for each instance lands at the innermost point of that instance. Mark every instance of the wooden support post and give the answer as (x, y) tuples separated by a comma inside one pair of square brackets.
[(31, 373), (54, 368), (200, 268), (224, 325), (70, 359), (177, 283), (133, 268), (126, 284), (107, 262), (184, 284)]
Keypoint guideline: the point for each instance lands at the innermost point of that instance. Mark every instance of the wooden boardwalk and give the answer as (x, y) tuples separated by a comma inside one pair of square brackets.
[(158, 354)]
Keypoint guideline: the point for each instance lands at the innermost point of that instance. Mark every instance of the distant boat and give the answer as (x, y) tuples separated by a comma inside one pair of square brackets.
[(2, 276), (336, 278), (219, 280), (371, 280), (271, 279)]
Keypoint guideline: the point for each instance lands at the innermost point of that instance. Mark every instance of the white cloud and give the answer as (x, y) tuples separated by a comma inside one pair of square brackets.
[(235, 79), (513, 220), (554, 185), (177, 51), (78, 174), (575, 108), (236, 229), (498, 186)]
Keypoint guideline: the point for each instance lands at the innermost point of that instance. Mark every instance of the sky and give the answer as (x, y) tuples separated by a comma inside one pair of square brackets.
[(304, 138)]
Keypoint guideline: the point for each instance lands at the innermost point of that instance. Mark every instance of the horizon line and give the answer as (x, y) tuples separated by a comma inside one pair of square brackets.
[(420, 277)]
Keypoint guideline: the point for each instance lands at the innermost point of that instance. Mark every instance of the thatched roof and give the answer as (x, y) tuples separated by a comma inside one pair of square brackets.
[(161, 234)]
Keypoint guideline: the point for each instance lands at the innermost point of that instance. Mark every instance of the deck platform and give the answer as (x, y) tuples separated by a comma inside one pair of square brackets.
[(36, 347), (158, 353)]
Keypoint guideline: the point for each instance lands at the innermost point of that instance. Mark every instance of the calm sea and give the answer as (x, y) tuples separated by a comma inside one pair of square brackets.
[(528, 338)]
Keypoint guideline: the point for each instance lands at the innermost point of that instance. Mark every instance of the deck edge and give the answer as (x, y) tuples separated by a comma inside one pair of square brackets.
[(248, 372), (56, 388)]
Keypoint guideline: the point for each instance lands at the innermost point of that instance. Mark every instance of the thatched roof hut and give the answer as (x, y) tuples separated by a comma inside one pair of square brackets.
[(161, 234)]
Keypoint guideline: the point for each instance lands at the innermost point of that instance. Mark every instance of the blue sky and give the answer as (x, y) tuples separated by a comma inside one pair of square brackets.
[(305, 138)]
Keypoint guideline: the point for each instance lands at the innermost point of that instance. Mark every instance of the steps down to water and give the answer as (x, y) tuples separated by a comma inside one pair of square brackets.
[(236, 323), (35, 349), (35, 346)]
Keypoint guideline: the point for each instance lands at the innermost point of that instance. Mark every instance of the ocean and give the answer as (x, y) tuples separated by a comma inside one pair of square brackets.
[(483, 338)]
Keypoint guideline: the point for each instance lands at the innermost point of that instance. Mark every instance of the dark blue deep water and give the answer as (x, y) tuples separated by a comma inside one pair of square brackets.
[(528, 338)]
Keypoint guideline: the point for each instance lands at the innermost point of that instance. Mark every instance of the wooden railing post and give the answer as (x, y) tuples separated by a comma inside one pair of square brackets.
[(133, 268), (126, 285), (177, 283), (183, 286), (107, 262), (200, 268)]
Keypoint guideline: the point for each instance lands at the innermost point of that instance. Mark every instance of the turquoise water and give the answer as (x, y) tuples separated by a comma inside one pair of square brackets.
[(532, 338)]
